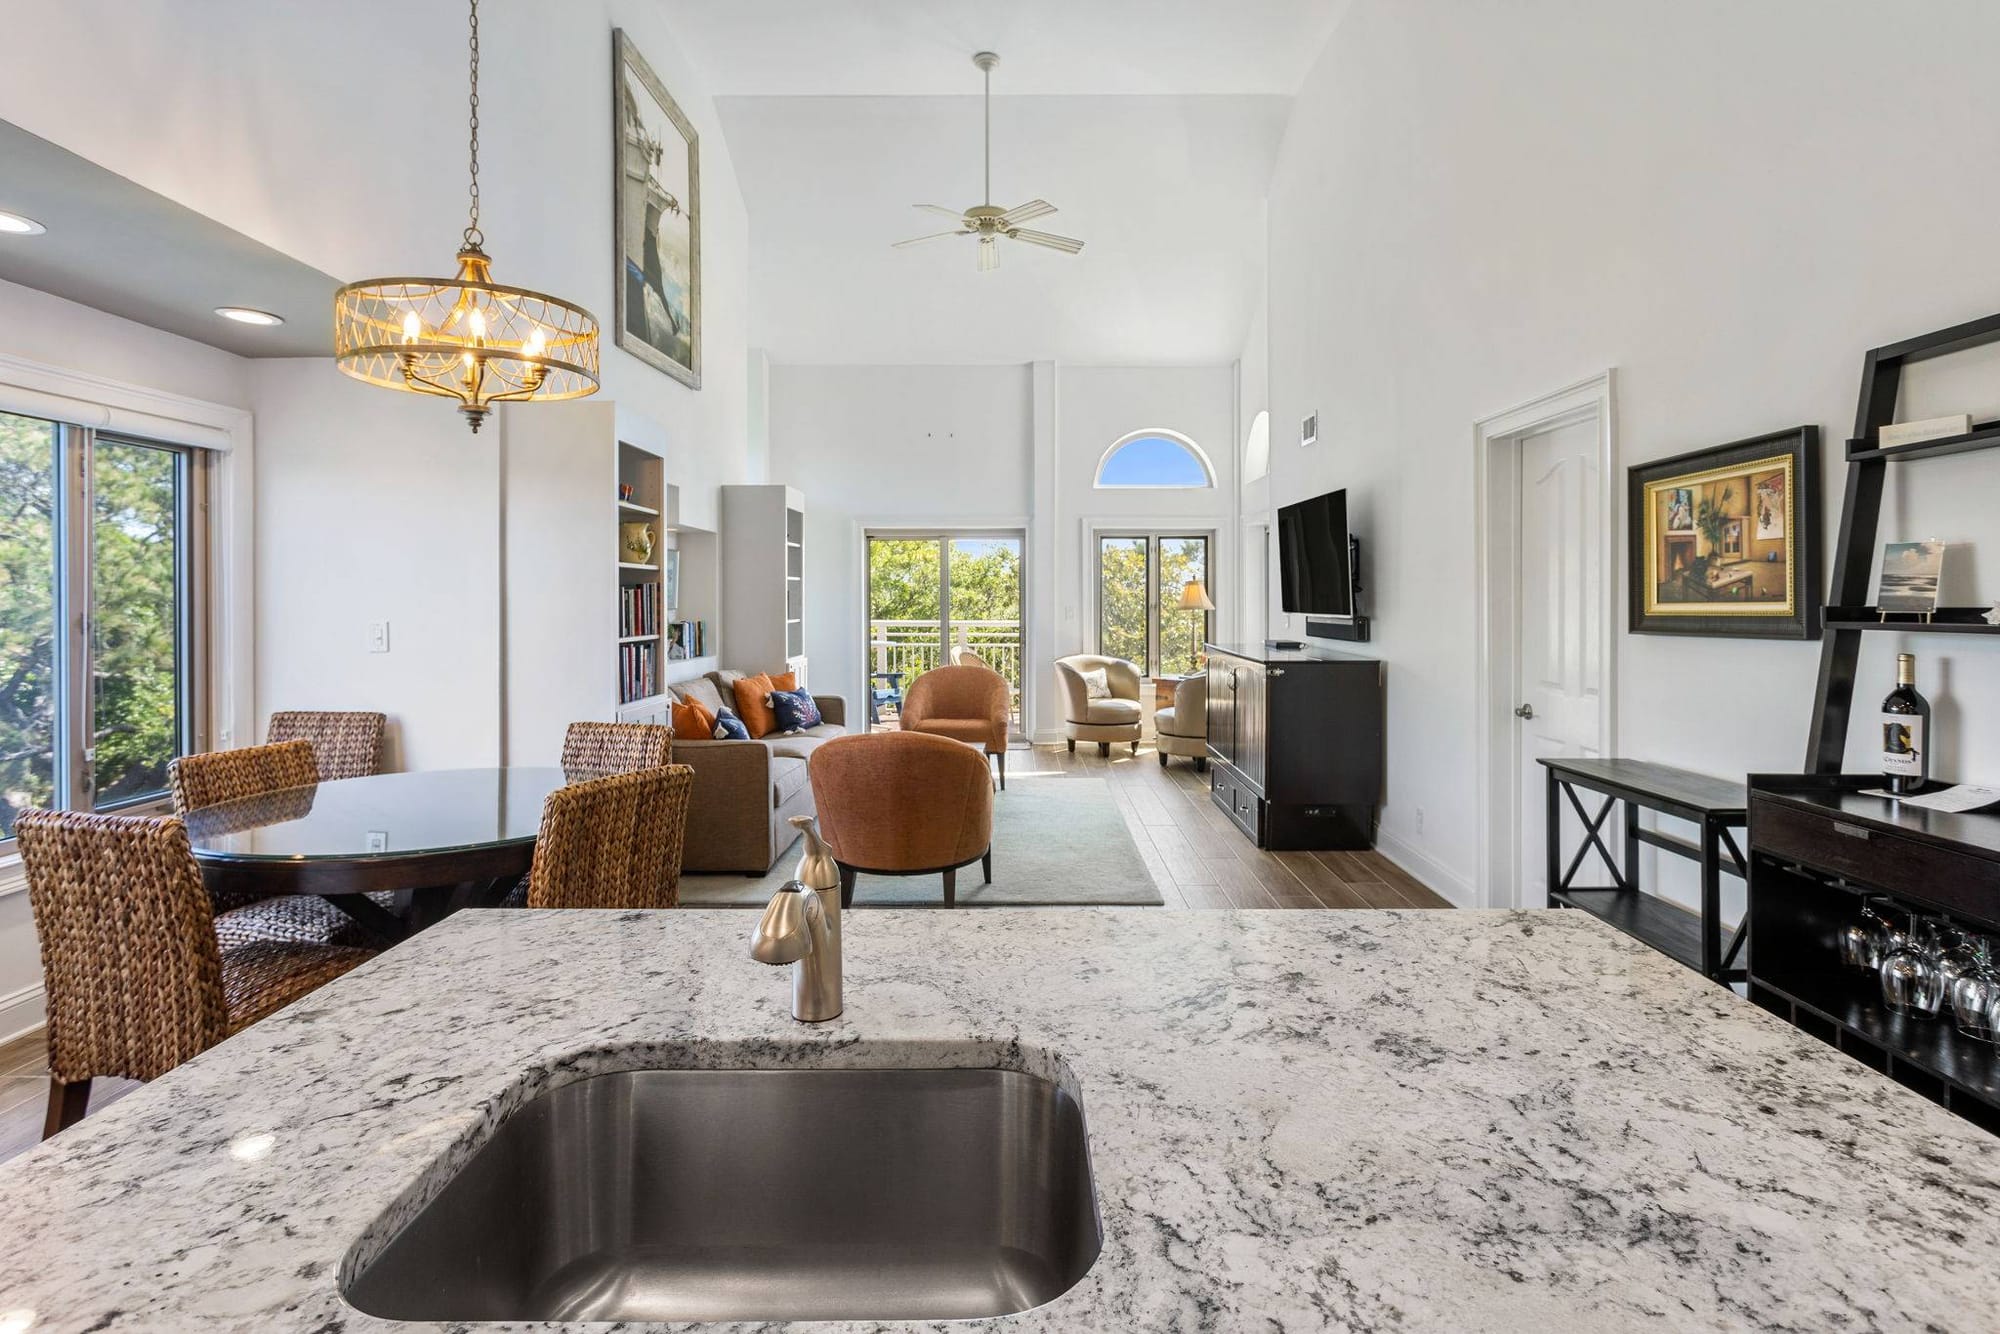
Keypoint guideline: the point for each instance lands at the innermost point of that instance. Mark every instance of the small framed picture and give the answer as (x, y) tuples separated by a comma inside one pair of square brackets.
[(1911, 572), (1726, 540)]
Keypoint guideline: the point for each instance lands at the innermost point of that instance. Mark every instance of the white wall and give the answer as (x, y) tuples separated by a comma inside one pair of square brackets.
[(1476, 205), (883, 446), (51, 332), (969, 447)]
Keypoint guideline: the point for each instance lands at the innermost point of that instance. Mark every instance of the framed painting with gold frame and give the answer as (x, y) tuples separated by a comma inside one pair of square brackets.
[(1726, 540)]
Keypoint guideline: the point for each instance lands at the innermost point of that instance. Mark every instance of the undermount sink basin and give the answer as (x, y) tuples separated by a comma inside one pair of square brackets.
[(756, 1195)]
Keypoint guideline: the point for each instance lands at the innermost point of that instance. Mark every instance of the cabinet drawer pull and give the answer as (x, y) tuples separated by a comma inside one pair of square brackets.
[(1853, 830)]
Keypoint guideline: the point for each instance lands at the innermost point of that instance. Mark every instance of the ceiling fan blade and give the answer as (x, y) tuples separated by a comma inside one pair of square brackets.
[(1028, 212), (919, 240), (989, 255), (1069, 245), (940, 210)]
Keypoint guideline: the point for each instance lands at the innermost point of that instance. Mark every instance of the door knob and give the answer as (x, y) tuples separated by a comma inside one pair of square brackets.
[(1525, 711)]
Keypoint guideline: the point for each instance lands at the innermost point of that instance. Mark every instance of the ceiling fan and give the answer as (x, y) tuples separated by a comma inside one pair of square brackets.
[(987, 221)]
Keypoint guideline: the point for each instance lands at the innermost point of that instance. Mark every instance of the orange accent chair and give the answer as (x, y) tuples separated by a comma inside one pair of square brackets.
[(968, 704), (903, 803)]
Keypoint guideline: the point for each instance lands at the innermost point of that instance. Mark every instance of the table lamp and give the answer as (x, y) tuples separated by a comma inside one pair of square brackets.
[(1195, 598)]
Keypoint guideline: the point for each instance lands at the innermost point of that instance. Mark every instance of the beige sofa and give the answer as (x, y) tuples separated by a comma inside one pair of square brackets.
[(746, 791)]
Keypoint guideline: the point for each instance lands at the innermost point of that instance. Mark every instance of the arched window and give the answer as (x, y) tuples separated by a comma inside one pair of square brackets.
[(1154, 458), (1257, 448)]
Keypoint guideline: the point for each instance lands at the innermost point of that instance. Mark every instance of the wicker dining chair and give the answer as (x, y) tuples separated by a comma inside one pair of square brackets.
[(613, 842), (345, 744), (236, 777), (616, 748), (216, 776), (137, 979)]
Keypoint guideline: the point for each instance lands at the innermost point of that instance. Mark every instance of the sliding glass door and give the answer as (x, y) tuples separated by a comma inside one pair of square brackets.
[(934, 597), (1141, 581)]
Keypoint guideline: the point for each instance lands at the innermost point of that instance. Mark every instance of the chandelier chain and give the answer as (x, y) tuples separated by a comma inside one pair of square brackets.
[(474, 238)]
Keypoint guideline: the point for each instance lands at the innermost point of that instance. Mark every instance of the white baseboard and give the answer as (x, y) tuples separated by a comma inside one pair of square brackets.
[(1461, 893), (21, 1012)]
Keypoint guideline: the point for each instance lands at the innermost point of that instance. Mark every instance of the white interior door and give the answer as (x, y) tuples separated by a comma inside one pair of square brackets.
[(1560, 601)]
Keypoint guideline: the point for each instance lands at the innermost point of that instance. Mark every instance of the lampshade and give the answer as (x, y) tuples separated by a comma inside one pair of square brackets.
[(1195, 598)]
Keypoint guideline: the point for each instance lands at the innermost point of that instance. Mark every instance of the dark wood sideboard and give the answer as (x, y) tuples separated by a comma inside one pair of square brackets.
[(1817, 849), (1295, 744)]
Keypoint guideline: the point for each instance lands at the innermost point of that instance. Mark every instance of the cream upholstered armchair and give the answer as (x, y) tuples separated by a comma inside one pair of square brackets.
[(1183, 725), (1104, 718)]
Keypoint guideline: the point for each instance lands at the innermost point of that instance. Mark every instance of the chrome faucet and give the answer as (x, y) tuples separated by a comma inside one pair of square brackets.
[(801, 927)]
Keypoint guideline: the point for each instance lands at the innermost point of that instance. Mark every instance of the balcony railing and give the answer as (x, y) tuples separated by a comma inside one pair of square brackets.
[(912, 648)]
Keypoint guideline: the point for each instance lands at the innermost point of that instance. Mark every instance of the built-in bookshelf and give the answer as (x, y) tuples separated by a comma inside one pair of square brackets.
[(764, 528), (642, 600)]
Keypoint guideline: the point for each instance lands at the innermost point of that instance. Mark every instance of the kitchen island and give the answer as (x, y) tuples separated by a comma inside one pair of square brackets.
[(1356, 1120)]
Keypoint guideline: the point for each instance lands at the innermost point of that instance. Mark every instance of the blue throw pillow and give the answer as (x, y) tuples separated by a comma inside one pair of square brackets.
[(794, 710), (728, 727)]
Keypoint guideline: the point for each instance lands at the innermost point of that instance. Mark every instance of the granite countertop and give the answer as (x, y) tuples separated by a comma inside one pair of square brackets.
[(1357, 1120)]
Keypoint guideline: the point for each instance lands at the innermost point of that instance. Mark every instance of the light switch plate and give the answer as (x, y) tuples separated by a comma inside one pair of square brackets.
[(378, 636)]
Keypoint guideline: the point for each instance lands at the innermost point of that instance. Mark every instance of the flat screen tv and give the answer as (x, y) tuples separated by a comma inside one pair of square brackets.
[(1313, 567)]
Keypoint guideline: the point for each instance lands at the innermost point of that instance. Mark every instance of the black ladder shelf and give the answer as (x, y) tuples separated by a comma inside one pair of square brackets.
[(1848, 616)]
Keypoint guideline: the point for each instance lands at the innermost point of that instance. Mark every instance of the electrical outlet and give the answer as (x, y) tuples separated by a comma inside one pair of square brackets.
[(1420, 821), (378, 840), (378, 636)]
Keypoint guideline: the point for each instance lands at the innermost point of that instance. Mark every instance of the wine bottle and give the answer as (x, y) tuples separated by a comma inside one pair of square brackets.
[(1906, 725)]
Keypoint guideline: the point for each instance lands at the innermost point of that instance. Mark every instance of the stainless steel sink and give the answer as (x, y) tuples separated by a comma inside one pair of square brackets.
[(757, 1195)]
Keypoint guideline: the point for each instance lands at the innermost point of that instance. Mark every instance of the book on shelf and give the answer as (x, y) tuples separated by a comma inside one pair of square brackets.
[(687, 639), (638, 672), (638, 610)]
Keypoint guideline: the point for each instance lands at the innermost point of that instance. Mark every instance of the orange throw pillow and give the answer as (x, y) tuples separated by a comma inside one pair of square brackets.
[(752, 706), (785, 681), (692, 721)]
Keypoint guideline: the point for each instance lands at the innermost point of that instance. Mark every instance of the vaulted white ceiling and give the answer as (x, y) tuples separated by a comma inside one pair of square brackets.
[(1151, 124), (914, 48)]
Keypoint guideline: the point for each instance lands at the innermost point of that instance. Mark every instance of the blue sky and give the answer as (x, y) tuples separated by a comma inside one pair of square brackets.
[(1153, 460)]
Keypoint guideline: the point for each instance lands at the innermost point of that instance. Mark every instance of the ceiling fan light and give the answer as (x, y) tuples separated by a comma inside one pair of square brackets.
[(989, 255)]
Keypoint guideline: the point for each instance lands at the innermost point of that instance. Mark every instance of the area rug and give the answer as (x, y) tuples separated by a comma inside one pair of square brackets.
[(1058, 839)]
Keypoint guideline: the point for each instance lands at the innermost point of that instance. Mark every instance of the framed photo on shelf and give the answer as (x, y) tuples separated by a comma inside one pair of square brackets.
[(1911, 572), (1726, 540)]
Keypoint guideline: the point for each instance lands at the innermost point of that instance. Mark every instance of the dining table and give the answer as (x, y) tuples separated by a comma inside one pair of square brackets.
[(444, 838)]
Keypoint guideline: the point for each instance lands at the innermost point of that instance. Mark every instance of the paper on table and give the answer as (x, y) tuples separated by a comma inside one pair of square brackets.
[(1963, 797)]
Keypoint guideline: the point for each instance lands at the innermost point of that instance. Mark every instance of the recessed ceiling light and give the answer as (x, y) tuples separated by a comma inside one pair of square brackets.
[(246, 315), (13, 224)]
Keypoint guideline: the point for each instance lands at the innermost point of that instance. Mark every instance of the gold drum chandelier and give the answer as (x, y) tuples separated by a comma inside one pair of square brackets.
[(466, 337)]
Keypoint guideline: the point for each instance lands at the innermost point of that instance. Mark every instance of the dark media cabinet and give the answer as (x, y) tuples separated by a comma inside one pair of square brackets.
[(1295, 744), (1818, 847)]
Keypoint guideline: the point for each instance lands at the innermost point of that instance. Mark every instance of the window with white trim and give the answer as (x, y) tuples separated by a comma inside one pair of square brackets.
[(1154, 458), (102, 543)]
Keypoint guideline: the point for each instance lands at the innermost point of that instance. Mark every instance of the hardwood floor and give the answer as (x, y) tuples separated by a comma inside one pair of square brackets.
[(1201, 860), (1197, 857), (24, 1093)]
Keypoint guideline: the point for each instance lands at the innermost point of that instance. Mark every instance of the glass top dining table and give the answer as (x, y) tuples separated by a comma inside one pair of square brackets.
[(469, 832)]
